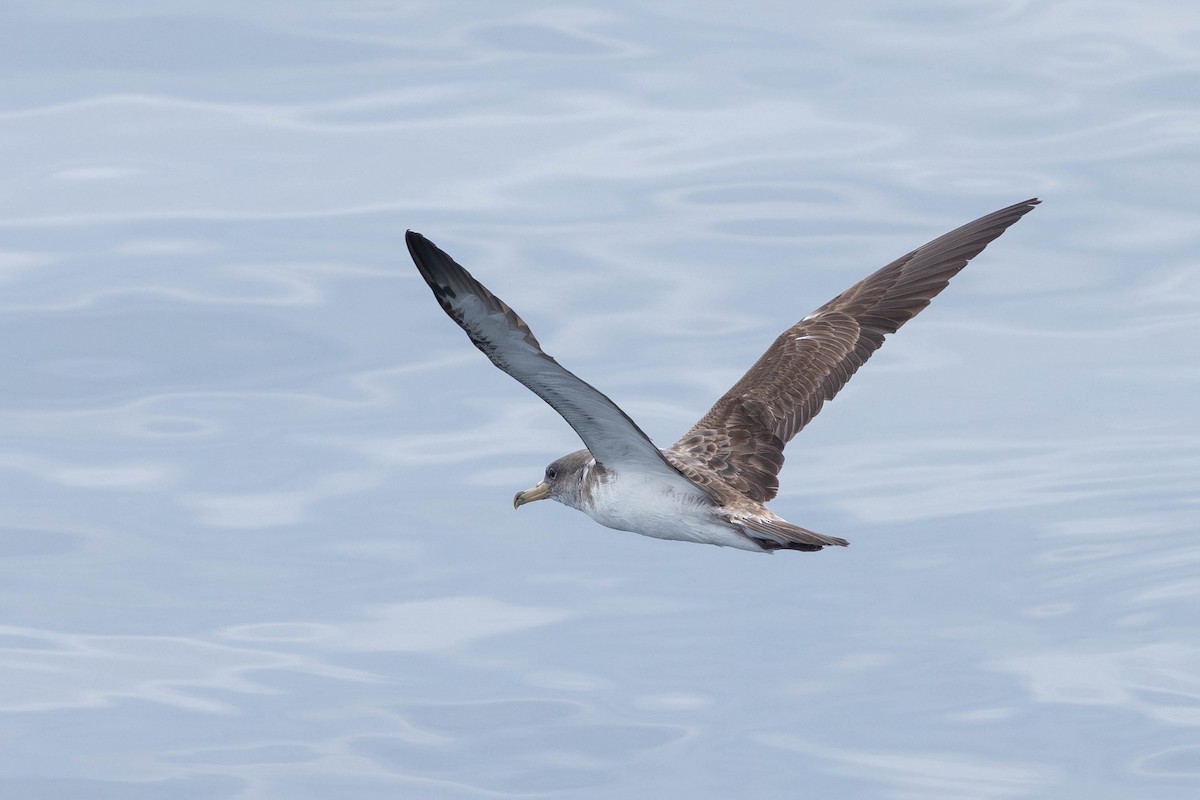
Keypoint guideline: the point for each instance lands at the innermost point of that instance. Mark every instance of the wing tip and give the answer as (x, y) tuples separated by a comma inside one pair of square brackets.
[(415, 241), (1018, 210)]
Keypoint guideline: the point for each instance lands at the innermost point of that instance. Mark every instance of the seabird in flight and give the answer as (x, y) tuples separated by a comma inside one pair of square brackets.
[(711, 486)]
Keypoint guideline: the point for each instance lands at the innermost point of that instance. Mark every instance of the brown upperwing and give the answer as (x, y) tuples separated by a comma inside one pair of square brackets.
[(742, 436)]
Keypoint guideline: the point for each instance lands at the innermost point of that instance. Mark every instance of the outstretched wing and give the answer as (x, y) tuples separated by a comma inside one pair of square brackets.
[(611, 436), (742, 436)]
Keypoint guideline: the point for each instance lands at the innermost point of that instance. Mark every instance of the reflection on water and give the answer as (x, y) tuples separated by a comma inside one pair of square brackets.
[(255, 534)]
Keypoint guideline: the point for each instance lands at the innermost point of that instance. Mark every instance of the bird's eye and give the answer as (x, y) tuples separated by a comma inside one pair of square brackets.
[(551, 473)]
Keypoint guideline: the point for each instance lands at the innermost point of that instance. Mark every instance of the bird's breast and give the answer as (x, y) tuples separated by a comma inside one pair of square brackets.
[(663, 509)]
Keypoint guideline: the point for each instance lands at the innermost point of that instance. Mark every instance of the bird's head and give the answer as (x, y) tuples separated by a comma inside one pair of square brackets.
[(563, 481)]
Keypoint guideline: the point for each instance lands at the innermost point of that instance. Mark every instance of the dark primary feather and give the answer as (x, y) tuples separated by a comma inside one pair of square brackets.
[(742, 436), (493, 327)]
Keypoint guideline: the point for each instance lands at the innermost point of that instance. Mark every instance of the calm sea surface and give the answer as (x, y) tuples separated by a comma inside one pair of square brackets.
[(256, 535)]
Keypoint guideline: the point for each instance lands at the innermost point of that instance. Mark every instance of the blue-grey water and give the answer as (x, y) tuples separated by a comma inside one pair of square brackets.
[(256, 534)]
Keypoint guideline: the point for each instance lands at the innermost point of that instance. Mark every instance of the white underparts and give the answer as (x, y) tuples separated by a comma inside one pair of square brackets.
[(661, 507)]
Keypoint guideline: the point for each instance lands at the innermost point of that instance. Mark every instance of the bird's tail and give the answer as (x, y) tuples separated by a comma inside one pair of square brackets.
[(779, 534)]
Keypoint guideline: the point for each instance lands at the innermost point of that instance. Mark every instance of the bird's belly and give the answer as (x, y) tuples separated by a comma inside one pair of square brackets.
[(662, 512)]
